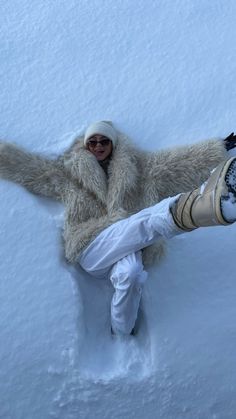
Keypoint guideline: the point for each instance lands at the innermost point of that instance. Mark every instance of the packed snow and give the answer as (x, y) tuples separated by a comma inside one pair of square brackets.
[(164, 72), (229, 208)]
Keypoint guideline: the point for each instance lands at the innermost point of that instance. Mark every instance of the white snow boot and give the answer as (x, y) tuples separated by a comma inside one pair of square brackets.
[(213, 203)]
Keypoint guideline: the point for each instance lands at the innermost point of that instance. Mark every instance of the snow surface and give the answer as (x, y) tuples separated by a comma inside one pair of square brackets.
[(165, 73)]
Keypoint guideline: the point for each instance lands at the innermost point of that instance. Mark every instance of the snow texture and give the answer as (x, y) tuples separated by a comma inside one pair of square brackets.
[(164, 72), (229, 208)]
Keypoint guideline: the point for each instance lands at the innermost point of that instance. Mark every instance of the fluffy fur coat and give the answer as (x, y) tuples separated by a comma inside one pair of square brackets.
[(93, 201)]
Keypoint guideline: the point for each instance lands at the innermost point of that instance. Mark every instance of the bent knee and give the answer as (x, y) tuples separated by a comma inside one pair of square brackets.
[(128, 277)]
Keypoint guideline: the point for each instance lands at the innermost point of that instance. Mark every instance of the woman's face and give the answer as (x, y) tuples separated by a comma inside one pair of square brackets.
[(100, 146)]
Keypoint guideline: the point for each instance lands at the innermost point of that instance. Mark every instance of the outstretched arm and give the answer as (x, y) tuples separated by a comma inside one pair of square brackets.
[(36, 173), (183, 168)]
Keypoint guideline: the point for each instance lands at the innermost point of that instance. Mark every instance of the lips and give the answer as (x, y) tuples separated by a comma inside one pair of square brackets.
[(100, 153)]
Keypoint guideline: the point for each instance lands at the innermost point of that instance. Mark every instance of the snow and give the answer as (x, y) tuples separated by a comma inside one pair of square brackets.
[(165, 75), (229, 208)]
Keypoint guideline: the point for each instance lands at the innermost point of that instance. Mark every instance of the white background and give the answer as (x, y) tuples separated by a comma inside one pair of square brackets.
[(165, 73)]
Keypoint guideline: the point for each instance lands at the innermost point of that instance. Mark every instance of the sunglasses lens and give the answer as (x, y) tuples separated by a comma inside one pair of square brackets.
[(105, 142), (93, 143)]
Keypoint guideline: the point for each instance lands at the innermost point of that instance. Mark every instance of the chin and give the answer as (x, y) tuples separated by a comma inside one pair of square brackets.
[(101, 158)]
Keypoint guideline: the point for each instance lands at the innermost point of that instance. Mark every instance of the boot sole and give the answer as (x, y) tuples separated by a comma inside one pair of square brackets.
[(230, 178), (227, 176)]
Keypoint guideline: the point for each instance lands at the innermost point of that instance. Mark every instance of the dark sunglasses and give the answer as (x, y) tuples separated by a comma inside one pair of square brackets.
[(93, 143)]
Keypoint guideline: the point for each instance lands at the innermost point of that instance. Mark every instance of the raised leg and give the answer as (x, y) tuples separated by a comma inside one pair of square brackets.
[(116, 251), (129, 236), (214, 203)]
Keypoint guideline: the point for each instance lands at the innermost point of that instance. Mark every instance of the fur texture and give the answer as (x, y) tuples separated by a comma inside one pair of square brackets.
[(136, 179)]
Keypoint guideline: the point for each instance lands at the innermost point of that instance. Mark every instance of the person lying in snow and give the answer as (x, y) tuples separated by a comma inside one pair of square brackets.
[(121, 202)]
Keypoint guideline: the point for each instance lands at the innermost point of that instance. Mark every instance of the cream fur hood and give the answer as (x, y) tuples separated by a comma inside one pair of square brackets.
[(93, 201)]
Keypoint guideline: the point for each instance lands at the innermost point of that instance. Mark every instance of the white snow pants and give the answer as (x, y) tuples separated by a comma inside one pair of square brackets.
[(116, 253)]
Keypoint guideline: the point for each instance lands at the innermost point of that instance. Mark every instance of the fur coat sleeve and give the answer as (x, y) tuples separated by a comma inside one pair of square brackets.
[(36, 173), (181, 169)]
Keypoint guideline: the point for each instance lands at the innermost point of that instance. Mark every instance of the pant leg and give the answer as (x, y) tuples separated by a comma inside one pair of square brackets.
[(127, 276), (116, 252), (129, 236)]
